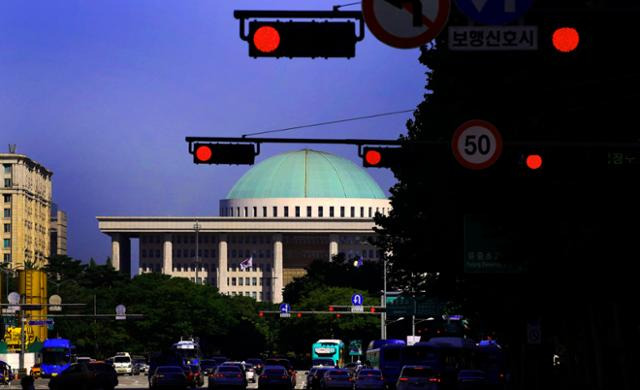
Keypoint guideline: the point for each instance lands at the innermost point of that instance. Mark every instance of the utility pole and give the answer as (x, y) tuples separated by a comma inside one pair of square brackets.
[(23, 300), (196, 227), (383, 317)]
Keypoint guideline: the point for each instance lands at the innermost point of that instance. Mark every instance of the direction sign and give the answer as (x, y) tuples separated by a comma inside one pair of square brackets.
[(494, 11), (356, 300), (41, 322), (405, 24), (285, 308), (476, 144)]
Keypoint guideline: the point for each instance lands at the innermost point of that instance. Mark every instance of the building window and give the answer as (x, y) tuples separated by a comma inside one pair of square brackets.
[(7, 183), (206, 253), (199, 252), (377, 210), (237, 211), (7, 243), (7, 168), (259, 281), (253, 295), (260, 254), (308, 211), (144, 253), (361, 212), (260, 295), (353, 212), (369, 212), (231, 212), (233, 281), (7, 213), (286, 211), (254, 281), (341, 211), (297, 211), (7, 228), (233, 253), (331, 212), (7, 198), (264, 211), (320, 212), (246, 211), (275, 211), (241, 281), (255, 211)]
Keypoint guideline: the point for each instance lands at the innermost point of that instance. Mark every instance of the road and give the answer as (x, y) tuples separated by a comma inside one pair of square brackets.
[(138, 382)]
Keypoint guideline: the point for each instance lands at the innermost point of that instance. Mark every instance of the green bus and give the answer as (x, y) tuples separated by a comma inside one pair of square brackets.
[(324, 350)]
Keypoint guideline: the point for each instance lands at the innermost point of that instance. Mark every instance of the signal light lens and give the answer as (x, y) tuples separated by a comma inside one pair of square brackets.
[(330, 308), (261, 314), (373, 157), (373, 309), (534, 161), (338, 315), (299, 315), (203, 153), (565, 39), (266, 39)]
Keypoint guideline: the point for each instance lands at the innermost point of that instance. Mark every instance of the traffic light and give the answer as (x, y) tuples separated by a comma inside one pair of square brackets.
[(380, 157), (330, 308), (261, 314), (302, 39), (207, 153)]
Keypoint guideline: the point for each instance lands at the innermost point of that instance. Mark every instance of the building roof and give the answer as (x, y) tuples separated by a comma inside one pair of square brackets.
[(306, 174)]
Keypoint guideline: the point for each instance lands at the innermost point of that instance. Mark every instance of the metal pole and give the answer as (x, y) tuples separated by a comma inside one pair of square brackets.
[(413, 317), (197, 228), (22, 341), (383, 317)]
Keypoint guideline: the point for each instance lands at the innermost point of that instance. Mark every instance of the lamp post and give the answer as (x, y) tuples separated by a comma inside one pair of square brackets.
[(383, 317), (196, 227)]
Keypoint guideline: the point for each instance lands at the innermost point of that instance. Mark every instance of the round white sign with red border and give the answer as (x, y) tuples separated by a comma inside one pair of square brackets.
[(406, 24), (476, 144)]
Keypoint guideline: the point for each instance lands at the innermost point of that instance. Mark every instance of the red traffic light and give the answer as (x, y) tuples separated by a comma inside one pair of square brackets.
[(299, 315), (266, 39), (203, 153), (565, 39), (378, 157), (261, 314), (338, 315), (372, 310), (534, 161), (330, 308), (372, 157)]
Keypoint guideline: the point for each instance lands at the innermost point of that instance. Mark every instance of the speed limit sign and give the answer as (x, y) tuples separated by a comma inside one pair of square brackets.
[(476, 144)]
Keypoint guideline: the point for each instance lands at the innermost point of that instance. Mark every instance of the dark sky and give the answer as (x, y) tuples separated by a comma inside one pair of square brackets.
[(103, 93)]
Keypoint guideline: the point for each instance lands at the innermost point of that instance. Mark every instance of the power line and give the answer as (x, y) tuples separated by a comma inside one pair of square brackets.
[(337, 7), (331, 122)]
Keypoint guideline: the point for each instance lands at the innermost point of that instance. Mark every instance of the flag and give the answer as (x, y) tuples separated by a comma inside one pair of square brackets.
[(246, 263)]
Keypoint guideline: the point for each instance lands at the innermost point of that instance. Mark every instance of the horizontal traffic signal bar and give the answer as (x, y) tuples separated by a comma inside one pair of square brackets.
[(294, 312)]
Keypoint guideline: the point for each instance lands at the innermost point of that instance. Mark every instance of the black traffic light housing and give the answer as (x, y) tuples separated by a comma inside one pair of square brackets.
[(380, 157), (217, 153), (317, 35)]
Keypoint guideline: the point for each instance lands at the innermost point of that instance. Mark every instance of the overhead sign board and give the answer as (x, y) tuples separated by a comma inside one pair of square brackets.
[(405, 24), (285, 308), (476, 144), (494, 11), (493, 38), (355, 348), (356, 300)]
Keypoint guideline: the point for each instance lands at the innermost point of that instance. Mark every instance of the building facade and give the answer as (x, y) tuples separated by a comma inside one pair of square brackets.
[(58, 232), (25, 193), (284, 213)]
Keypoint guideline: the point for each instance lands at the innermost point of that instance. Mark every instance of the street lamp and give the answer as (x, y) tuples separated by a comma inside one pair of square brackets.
[(396, 320), (196, 227), (414, 322)]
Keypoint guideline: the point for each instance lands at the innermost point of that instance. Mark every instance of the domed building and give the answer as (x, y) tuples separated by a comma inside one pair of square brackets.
[(281, 215)]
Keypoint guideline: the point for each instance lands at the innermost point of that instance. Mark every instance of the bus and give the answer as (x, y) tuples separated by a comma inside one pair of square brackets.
[(388, 357), (490, 357), (57, 355), (324, 349), (188, 351), (448, 355)]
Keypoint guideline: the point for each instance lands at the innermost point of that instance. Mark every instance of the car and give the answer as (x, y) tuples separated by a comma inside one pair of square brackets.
[(274, 377), (336, 378), (122, 363), (159, 360), (36, 371), (258, 364), (140, 362), (419, 377), (84, 359), (198, 377), (168, 377), (317, 377), (228, 375), (310, 374), (368, 378), (276, 361), (6, 374), (208, 366), (89, 376)]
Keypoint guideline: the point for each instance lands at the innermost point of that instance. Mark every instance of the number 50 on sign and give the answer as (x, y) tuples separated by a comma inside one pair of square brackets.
[(476, 144)]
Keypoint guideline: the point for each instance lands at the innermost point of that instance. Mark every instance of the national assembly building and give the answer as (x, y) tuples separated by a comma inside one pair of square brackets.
[(282, 214)]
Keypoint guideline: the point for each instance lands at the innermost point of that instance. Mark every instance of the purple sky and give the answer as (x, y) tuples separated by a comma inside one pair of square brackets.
[(103, 92)]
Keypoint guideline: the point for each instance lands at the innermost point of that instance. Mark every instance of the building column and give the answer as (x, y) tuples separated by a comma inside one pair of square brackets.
[(125, 255), (333, 245), (277, 276), (222, 264), (115, 251), (167, 255)]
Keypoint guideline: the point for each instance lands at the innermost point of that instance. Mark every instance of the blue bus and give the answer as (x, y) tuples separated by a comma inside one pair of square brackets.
[(448, 355), (188, 351), (56, 356), (490, 357), (388, 357), (325, 349)]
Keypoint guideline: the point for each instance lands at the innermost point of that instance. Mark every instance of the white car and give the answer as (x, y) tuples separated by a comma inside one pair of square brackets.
[(122, 363)]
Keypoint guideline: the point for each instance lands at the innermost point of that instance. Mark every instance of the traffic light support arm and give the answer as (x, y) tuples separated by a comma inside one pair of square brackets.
[(273, 14)]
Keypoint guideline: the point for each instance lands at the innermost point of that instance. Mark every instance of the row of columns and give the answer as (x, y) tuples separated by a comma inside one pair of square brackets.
[(121, 259)]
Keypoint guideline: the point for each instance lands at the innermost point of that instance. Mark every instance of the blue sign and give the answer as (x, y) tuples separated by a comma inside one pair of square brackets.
[(41, 322), (494, 12), (356, 300), (285, 308)]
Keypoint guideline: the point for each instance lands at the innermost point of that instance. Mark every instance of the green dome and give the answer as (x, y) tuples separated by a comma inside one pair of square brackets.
[(306, 174)]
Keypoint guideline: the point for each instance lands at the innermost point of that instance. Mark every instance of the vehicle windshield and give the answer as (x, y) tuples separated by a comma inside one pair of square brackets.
[(275, 372), (122, 359), (57, 357)]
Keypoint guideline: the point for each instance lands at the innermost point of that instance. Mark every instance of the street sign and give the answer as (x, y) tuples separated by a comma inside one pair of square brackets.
[(121, 312), (476, 144), (423, 306), (494, 11), (356, 300), (412, 340), (285, 308), (357, 309), (55, 300), (493, 38), (355, 348), (405, 24), (41, 322)]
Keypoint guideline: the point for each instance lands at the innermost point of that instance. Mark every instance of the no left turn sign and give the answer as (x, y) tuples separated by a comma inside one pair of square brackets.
[(476, 144), (405, 24)]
